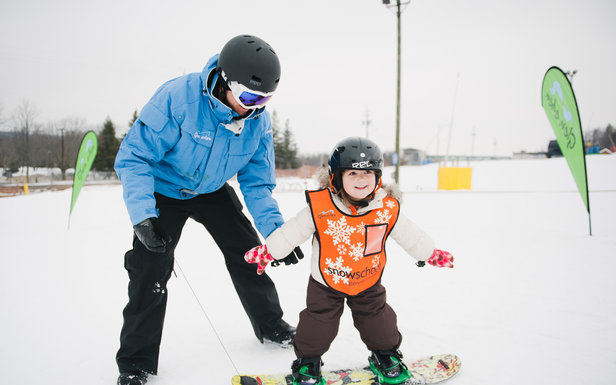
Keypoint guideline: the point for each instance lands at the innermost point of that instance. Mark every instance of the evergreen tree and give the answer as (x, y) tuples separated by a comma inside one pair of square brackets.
[(278, 143), (290, 147), (285, 148), (108, 146), (133, 119)]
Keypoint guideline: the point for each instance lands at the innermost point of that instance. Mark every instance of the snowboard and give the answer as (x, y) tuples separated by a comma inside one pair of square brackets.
[(430, 370)]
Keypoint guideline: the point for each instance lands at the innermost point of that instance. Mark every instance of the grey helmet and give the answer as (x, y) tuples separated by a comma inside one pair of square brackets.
[(251, 62)]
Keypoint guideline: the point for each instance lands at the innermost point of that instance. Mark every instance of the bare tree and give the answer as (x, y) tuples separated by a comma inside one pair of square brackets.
[(3, 120), (9, 159), (66, 136), (611, 136), (24, 120), (600, 138), (8, 155)]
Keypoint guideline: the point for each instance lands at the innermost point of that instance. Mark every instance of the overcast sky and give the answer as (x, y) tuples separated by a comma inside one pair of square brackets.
[(93, 59)]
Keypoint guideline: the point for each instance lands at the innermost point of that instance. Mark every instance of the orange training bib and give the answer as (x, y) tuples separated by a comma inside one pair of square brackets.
[(352, 247)]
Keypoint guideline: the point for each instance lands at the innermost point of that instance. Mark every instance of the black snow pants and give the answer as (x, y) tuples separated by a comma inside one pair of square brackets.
[(221, 214)]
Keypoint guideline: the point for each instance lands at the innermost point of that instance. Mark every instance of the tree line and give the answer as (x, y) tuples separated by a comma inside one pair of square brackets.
[(287, 152), (601, 138), (27, 143)]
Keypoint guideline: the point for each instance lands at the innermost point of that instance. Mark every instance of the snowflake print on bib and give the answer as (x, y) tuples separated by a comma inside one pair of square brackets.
[(383, 216), (339, 230), (357, 251), (337, 266)]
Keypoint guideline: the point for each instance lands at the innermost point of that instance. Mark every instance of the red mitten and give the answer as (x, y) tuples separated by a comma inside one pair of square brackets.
[(260, 256), (441, 258)]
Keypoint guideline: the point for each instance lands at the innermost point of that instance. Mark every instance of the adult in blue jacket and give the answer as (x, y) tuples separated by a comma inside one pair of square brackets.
[(197, 132)]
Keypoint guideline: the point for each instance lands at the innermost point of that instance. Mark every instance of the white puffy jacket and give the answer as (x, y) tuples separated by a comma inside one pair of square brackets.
[(298, 229)]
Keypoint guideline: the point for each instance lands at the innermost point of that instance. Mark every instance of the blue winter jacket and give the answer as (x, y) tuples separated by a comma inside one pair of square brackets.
[(185, 142)]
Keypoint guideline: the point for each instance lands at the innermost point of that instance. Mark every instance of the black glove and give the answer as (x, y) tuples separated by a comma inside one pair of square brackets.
[(152, 235), (292, 258)]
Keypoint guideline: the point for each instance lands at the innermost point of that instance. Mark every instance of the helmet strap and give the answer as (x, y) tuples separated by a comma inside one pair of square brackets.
[(352, 203), (220, 92), (378, 186), (331, 183), (219, 89)]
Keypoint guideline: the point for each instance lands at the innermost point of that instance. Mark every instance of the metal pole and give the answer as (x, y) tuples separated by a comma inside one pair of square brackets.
[(398, 157), (62, 153), (453, 110), (397, 150), (367, 122)]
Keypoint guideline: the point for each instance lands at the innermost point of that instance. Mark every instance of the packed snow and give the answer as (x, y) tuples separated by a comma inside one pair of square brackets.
[(530, 300)]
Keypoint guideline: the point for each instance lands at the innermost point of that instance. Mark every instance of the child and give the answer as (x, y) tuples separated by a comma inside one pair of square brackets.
[(350, 218)]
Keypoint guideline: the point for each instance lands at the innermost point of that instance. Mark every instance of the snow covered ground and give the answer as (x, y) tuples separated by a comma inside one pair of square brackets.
[(531, 299)]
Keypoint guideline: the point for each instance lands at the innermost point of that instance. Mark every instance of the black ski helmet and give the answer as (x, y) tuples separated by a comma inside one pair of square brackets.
[(251, 62), (354, 153)]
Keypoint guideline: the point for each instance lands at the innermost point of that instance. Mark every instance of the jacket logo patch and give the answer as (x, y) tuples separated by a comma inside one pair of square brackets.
[(328, 213), (198, 137)]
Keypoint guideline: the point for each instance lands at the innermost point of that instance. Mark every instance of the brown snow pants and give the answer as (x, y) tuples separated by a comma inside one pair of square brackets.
[(318, 323)]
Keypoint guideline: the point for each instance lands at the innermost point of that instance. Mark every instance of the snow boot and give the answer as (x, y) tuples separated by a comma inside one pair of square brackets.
[(307, 371), (138, 377), (388, 366), (280, 333)]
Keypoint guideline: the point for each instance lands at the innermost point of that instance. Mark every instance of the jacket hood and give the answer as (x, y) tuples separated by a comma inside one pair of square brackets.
[(391, 190)]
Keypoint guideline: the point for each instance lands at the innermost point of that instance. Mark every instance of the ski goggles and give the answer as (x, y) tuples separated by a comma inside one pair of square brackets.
[(246, 97)]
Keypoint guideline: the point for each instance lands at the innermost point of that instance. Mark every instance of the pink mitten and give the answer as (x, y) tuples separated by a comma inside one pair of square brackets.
[(260, 256), (441, 258)]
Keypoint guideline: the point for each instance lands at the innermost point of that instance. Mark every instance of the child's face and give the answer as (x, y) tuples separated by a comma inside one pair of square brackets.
[(358, 183)]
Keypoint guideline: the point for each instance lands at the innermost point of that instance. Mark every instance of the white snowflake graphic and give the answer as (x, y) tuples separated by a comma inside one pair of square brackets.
[(342, 250), (361, 228), (339, 230), (375, 261), (357, 251), (383, 216), (390, 204), (337, 267)]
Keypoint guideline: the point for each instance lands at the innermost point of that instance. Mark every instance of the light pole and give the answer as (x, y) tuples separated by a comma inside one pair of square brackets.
[(396, 156), (367, 122), (62, 169)]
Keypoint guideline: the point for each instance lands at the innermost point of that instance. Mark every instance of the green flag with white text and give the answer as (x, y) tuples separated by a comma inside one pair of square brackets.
[(85, 158), (559, 103)]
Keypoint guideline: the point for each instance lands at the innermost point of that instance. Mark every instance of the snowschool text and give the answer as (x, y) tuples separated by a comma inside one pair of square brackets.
[(355, 275)]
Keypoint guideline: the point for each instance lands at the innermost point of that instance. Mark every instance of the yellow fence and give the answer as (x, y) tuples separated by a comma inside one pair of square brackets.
[(454, 178)]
